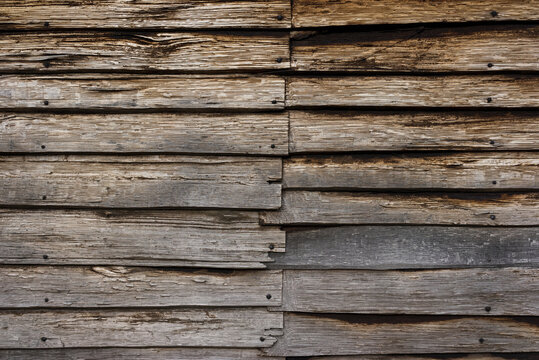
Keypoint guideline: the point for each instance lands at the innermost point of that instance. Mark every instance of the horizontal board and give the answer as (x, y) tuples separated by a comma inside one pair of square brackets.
[(419, 49), (153, 133), (309, 335), (140, 92), (226, 239), (504, 91), (484, 356), (408, 247), (511, 291), (81, 287), (355, 12), (188, 327), (475, 171), (141, 182), (379, 131), (343, 208), (167, 14), (188, 51)]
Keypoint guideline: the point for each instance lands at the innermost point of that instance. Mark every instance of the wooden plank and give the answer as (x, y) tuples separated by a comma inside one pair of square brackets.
[(168, 14), (462, 91), (485, 356), (419, 49), (309, 335), (141, 182), (308, 13), (472, 171), (260, 134), (382, 131), (343, 208), (98, 286), (409, 247), (146, 51), (510, 291), (210, 327), (141, 92)]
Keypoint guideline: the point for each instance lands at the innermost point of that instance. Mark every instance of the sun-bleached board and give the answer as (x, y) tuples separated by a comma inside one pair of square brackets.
[(484, 356)]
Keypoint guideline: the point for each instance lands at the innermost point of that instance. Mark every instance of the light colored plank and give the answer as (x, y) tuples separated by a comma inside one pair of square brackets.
[(343, 208), (244, 327), (484, 356), (98, 286), (510, 291), (141, 182), (352, 131), (504, 91), (140, 92), (261, 134)]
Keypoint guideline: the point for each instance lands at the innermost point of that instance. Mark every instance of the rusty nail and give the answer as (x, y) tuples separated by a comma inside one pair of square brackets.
[(481, 340), (268, 296), (489, 99), (492, 217), (494, 13), (45, 257), (46, 299), (271, 246), (262, 338), (46, 102), (43, 338), (487, 308), (490, 65), (280, 17)]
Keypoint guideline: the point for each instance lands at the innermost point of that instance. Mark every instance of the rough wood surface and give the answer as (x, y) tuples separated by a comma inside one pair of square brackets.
[(308, 335), (138, 14), (511, 291), (420, 49), (141, 92), (209, 327), (476, 171), (260, 134), (381, 131), (484, 356), (307, 13), (344, 208), (98, 286), (409, 247), (504, 91), (141, 182)]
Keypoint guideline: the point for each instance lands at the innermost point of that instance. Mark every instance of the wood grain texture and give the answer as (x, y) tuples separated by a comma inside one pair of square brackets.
[(168, 14), (141, 182), (510, 291), (312, 131), (409, 247), (344, 208), (308, 335), (472, 171), (484, 356), (98, 286), (260, 134), (462, 91), (308, 13), (141, 92), (188, 327), (223, 239), (419, 49)]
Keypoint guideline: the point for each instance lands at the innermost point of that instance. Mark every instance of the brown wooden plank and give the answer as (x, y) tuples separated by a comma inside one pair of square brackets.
[(140, 92), (344, 208), (307, 13), (463, 91), (381, 131), (158, 181), (420, 49), (260, 134), (168, 14), (227, 239), (485, 356)]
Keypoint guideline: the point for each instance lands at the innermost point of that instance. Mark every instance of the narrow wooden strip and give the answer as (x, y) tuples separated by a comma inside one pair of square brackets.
[(151, 182), (485, 356), (243, 327), (353, 131), (505, 91), (313, 207)]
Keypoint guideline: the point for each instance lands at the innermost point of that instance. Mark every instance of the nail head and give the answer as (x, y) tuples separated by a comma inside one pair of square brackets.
[(45, 257), (271, 246), (262, 338), (487, 308), (268, 296), (279, 59), (494, 182), (494, 13), (274, 101), (489, 99), (43, 338), (490, 65), (46, 23), (491, 142), (44, 197), (46, 299), (481, 340), (46, 102), (280, 17), (492, 217)]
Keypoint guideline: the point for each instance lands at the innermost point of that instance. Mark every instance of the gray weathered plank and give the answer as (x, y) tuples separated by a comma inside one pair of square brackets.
[(312, 131), (261, 134), (158, 181), (343, 208), (484, 356), (509, 291), (98, 286)]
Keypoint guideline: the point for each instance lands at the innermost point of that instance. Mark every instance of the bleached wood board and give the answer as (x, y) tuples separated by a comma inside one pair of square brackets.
[(484, 356)]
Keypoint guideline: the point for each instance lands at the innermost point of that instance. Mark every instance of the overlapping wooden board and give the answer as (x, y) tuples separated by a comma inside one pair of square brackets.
[(141, 92), (322, 131), (419, 49), (185, 327), (484, 356), (141, 182), (99, 286)]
